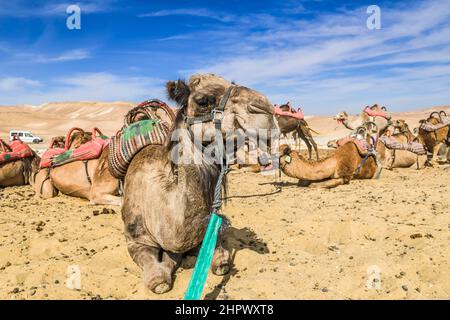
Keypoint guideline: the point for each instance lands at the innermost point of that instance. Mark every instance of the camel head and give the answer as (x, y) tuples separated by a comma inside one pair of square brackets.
[(245, 108), (341, 117), (401, 125), (285, 152), (332, 144)]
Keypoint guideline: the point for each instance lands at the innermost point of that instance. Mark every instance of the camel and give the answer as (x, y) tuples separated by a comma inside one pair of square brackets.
[(400, 158), (167, 200), (299, 128), (343, 165), (382, 122), (19, 172), (91, 181), (432, 139)]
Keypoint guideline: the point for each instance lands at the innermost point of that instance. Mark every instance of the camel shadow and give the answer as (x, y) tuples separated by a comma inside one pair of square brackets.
[(236, 240)]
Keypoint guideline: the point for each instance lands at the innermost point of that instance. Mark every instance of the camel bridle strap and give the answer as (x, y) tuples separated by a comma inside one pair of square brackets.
[(216, 113), (204, 259)]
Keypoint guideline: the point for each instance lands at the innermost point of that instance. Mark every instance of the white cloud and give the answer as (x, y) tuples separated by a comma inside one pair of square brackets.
[(334, 61), (199, 12), (101, 86), (16, 84)]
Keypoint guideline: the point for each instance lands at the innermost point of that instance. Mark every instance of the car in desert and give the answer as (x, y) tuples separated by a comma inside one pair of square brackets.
[(25, 136)]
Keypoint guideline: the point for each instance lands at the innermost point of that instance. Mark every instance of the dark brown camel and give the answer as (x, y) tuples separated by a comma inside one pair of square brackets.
[(299, 128)]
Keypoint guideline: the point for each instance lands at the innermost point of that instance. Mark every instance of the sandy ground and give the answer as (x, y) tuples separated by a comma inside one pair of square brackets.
[(289, 242)]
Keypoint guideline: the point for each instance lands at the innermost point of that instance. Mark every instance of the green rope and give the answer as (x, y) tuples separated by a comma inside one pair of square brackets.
[(204, 259)]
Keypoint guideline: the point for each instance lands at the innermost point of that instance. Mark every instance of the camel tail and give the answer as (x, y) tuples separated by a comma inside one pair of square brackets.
[(314, 131)]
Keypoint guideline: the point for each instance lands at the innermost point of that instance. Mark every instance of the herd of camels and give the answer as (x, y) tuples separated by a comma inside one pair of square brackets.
[(165, 204)]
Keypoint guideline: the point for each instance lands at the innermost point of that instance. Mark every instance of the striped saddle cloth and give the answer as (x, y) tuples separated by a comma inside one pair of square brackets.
[(394, 144), (130, 140), (361, 145), (433, 127), (15, 151)]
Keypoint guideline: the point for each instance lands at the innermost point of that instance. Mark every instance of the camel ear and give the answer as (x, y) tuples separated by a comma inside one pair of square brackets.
[(178, 91), (345, 114), (285, 150)]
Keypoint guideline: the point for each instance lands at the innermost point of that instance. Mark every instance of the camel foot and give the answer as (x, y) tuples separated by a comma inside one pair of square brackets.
[(159, 283), (220, 264)]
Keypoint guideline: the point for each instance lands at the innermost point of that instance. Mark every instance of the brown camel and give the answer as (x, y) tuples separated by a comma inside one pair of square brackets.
[(382, 123), (343, 165), (19, 172), (400, 158), (92, 181), (433, 139), (167, 202), (299, 128)]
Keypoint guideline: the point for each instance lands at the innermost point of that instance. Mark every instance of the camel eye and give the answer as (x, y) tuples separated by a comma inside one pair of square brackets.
[(204, 101)]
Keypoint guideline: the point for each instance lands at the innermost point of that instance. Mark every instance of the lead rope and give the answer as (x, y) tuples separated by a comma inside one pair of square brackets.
[(205, 256)]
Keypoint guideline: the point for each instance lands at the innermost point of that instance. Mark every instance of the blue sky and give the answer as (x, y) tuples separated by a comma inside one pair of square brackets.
[(318, 54)]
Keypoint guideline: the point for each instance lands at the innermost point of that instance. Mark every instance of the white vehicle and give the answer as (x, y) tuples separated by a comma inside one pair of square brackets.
[(25, 136)]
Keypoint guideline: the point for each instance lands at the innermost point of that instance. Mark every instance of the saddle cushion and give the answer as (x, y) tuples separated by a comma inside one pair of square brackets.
[(372, 113), (297, 115), (19, 150), (361, 145), (425, 126), (55, 157), (393, 144), (130, 140)]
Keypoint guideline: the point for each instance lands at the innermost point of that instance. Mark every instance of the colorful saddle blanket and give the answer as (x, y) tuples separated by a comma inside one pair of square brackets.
[(433, 127), (393, 144), (130, 140), (15, 151), (361, 145), (297, 115), (56, 156)]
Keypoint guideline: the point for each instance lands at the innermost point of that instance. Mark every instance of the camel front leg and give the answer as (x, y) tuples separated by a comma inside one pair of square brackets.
[(158, 275), (43, 185), (328, 184)]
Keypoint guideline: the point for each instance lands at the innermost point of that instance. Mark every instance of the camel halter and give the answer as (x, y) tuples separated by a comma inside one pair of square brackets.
[(204, 259)]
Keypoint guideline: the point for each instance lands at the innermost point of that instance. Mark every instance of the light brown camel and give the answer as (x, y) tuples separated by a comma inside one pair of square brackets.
[(19, 172), (433, 139), (400, 158), (343, 165), (382, 123), (92, 181), (299, 128), (167, 202)]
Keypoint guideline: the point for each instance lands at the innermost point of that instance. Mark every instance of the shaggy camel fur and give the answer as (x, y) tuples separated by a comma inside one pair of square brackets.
[(167, 200), (337, 169), (432, 140), (71, 179), (400, 158)]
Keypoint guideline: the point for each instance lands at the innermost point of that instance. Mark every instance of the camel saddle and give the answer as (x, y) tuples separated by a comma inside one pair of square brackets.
[(425, 126), (57, 156), (293, 114), (372, 113), (394, 144), (15, 151), (361, 145), (137, 133)]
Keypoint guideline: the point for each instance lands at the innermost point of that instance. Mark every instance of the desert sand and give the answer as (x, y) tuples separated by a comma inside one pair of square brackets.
[(288, 242)]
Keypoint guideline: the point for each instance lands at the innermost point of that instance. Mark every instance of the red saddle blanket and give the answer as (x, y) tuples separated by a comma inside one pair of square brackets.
[(15, 151), (297, 115), (56, 156)]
